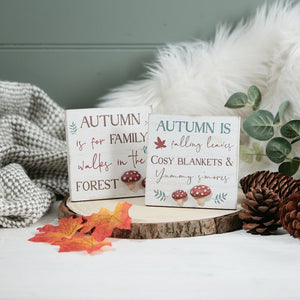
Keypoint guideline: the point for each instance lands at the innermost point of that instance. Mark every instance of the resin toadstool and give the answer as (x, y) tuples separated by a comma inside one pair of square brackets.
[(201, 193), (130, 178), (179, 196), (144, 182)]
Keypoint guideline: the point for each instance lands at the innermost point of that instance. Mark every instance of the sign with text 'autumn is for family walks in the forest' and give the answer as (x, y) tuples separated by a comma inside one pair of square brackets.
[(193, 161), (107, 152)]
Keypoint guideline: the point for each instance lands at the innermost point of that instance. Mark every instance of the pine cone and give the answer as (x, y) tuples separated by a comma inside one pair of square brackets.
[(281, 184), (290, 214), (260, 213)]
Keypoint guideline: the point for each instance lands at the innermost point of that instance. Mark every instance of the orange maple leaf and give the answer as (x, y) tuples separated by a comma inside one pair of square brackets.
[(89, 244), (66, 229), (104, 222), (69, 235)]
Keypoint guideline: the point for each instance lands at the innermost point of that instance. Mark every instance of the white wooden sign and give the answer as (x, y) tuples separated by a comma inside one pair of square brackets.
[(193, 161), (107, 152)]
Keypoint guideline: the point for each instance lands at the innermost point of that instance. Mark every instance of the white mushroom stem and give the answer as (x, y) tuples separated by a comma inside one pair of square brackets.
[(200, 201), (179, 201), (131, 185)]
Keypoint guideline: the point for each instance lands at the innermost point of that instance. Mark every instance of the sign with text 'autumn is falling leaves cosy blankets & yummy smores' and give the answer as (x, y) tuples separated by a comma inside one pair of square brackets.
[(107, 152), (193, 161)]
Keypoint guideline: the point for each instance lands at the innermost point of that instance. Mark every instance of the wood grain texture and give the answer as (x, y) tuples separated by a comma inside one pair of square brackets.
[(158, 230)]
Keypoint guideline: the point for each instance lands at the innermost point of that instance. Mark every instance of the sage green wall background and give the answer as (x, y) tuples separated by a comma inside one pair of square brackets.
[(77, 50)]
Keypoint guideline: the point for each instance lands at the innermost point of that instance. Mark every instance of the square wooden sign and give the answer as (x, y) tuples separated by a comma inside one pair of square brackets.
[(107, 152), (193, 161)]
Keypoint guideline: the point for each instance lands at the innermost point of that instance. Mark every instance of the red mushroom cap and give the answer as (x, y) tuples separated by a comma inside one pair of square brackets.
[(131, 176), (200, 191), (144, 182), (179, 194)]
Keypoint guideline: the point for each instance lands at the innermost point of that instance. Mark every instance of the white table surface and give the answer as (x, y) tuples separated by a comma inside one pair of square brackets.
[(234, 265)]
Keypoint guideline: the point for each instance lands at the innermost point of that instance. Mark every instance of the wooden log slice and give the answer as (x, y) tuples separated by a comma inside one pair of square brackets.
[(150, 222)]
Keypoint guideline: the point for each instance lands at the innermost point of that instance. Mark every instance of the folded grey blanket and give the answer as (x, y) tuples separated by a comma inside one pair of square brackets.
[(33, 155)]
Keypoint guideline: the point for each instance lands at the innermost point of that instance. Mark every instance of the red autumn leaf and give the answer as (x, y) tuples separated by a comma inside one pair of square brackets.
[(159, 143), (89, 244), (105, 221), (51, 234)]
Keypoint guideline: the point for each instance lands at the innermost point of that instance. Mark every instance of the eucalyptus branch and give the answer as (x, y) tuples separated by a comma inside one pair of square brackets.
[(295, 159), (260, 125)]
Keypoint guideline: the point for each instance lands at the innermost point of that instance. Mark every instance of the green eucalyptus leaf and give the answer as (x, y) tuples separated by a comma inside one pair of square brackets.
[(246, 154), (259, 125), (278, 149), (237, 100), (291, 167), (291, 129), (258, 151), (295, 140), (254, 96), (282, 108)]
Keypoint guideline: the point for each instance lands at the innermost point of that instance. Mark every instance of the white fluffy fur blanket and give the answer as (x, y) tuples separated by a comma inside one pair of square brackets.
[(198, 77)]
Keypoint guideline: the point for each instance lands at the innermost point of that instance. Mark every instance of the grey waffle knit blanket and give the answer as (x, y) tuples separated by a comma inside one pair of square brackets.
[(33, 158)]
